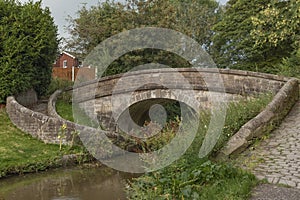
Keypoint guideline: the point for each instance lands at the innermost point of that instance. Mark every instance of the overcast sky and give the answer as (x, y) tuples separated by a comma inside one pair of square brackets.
[(60, 9)]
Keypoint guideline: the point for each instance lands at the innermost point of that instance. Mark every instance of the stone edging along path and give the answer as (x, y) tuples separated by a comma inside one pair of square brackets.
[(264, 122)]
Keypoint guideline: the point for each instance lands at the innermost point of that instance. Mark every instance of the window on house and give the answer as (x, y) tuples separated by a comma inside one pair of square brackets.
[(65, 64)]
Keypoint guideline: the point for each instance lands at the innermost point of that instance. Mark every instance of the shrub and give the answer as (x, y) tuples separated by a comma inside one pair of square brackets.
[(28, 47), (56, 84)]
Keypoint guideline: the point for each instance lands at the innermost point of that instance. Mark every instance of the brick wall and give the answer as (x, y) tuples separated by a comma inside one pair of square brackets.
[(71, 62)]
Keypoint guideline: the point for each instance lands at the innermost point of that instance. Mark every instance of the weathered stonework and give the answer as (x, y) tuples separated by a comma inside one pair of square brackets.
[(275, 111), (97, 98), (194, 87), (43, 127)]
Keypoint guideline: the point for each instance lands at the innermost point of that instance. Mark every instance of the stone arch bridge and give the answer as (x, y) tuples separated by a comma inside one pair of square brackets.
[(193, 87), (108, 98)]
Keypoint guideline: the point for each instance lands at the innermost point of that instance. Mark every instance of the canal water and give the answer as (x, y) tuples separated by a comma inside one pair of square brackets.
[(66, 184)]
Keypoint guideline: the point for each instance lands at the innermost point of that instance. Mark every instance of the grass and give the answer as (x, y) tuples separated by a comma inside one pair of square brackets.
[(65, 109), (21, 153), (192, 178), (240, 113)]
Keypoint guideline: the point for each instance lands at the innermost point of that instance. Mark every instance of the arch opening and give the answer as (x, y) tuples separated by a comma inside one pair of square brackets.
[(159, 111)]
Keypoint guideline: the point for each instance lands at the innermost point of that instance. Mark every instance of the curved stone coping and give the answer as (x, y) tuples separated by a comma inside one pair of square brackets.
[(264, 122), (41, 126), (227, 80), (52, 105), (201, 70)]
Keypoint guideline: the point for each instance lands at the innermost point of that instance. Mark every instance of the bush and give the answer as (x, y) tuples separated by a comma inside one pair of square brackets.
[(28, 47), (290, 66), (56, 84)]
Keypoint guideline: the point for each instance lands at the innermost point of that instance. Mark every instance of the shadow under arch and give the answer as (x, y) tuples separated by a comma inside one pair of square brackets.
[(157, 110)]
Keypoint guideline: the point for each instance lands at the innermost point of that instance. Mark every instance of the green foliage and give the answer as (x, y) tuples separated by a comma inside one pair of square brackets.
[(277, 24), (240, 113), (58, 84), (290, 67), (256, 35), (193, 18), (194, 178), (232, 44), (28, 46), (64, 109)]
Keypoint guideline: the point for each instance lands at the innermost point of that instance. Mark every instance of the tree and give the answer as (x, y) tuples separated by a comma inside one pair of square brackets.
[(28, 47), (256, 35), (277, 23), (232, 44), (95, 25), (193, 18), (278, 27), (290, 66)]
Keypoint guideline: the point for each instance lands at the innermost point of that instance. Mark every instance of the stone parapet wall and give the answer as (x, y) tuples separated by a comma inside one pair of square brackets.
[(47, 128), (43, 127), (264, 122), (51, 108), (36, 124), (235, 82), (108, 96)]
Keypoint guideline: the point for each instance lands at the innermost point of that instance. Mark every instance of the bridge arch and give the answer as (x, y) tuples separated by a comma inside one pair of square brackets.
[(98, 97), (158, 110)]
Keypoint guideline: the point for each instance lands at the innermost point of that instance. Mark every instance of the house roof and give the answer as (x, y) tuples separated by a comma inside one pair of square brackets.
[(64, 52)]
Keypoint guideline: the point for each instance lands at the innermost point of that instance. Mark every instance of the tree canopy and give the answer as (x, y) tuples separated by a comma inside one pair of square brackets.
[(28, 47), (193, 18), (256, 35), (277, 26)]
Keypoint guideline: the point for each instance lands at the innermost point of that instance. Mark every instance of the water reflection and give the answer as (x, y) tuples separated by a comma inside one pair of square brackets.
[(67, 184)]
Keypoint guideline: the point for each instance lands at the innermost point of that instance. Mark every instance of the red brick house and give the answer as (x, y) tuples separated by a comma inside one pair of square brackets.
[(66, 60), (67, 66)]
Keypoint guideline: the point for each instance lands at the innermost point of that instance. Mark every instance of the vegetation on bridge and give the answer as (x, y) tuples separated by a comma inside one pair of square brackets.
[(193, 178)]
